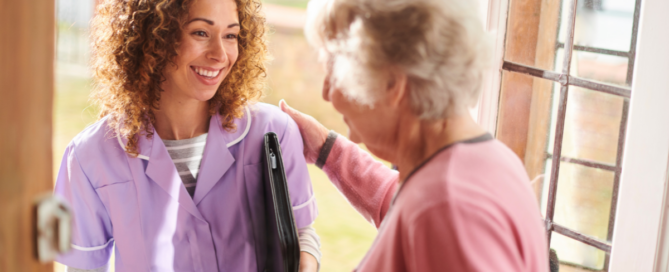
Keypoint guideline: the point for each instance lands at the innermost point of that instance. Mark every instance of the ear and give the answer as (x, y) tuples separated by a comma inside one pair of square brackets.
[(397, 86)]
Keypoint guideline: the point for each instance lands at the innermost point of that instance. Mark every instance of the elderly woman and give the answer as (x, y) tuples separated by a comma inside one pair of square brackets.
[(403, 74), (170, 176)]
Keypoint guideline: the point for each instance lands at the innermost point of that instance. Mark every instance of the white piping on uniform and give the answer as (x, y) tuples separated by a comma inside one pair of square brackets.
[(118, 136), (92, 248), (295, 208), (246, 131)]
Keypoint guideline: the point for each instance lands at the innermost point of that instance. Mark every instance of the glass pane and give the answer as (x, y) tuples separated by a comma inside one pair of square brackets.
[(592, 125), (605, 24), (583, 204), (576, 256), (72, 34), (599, 67), (584, 199), (566, 267)]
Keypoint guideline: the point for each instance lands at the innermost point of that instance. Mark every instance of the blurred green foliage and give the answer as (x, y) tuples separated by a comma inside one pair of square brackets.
[(289, 3)]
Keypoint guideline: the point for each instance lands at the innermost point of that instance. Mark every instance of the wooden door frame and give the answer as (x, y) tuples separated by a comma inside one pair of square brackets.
[(27, 51)]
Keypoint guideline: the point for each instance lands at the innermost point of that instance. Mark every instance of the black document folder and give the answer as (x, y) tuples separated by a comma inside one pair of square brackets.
[(283, 242)]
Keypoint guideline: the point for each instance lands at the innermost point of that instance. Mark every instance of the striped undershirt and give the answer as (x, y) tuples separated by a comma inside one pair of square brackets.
[(187, 155)]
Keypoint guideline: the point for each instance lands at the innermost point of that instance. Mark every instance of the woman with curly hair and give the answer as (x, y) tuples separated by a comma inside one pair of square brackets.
[(170, 176)]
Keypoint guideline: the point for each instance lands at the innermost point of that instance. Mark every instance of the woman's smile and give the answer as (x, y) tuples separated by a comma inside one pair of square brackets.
[(207, 52), (208, 75)]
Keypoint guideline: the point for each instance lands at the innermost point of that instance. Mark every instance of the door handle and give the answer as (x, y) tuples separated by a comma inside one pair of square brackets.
[(53, 227)]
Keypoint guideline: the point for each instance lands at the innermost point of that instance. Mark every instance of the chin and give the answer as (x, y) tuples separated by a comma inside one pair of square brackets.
[(205, 95), (353, 137)]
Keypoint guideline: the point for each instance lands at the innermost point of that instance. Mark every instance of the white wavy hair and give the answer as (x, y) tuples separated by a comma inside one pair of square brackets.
[(440, 44)]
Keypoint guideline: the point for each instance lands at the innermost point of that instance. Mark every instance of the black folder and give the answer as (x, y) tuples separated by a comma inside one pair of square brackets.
[(283, 242)]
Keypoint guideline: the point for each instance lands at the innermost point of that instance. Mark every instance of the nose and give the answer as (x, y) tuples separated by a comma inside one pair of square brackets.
[(217, 51), (327, 83), (326, 87)]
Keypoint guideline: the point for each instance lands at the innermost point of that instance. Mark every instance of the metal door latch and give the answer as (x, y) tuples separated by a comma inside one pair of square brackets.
[(53, 229)]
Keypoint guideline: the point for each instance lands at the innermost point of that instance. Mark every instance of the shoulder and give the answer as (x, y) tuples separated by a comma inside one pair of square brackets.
[(96, 145), (269, 118), (94, 137), (484, 176)]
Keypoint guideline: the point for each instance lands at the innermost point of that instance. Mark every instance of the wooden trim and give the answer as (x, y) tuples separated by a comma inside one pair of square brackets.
[(525, 102), (26, 98), (516, 91), (542, 94)]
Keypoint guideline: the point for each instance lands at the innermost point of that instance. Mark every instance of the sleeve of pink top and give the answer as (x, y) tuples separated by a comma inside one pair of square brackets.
[(368, 184)]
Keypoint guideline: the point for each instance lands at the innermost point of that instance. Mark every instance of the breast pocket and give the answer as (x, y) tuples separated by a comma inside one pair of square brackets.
[(120, 200), (253, 182)]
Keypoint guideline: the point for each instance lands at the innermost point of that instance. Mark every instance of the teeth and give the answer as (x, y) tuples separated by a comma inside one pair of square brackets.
[(206, 73)]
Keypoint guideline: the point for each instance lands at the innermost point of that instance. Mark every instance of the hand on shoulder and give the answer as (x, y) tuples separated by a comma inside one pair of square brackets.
[(313, 133)]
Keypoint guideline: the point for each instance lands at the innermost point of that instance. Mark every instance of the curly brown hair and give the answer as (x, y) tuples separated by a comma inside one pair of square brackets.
[(134, 41)]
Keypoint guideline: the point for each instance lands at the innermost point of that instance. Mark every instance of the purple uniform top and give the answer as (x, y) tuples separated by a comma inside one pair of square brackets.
[(141, 206)]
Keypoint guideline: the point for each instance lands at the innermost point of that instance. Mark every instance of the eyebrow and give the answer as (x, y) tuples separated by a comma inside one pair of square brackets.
[(210, 22)]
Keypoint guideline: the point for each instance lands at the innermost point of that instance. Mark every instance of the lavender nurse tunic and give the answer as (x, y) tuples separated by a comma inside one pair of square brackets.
[(140, 206)]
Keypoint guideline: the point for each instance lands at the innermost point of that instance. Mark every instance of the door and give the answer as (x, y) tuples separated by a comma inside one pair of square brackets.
[(26, 97)]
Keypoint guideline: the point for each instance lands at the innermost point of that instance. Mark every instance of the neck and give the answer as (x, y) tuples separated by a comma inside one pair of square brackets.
[(181, 119), (420, 139)]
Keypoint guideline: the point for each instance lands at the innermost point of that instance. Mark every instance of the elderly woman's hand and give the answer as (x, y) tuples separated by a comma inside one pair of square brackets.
[(313, 133)]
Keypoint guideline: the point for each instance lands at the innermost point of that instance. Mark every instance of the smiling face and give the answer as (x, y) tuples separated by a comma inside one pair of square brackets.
[(207, 51)]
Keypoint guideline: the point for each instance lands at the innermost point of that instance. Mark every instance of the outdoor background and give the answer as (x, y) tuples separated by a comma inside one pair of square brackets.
[(293, 75)]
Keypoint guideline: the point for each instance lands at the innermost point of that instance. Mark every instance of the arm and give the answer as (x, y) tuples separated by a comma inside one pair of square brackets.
[(310, 255), (301, 196), (104, 268), (92, 241), (366, 183)]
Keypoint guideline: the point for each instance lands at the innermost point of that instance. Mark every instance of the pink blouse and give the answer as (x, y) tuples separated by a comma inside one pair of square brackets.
[(469, 208)]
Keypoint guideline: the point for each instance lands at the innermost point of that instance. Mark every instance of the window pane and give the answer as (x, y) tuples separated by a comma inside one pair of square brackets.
[(592, 125), (574, 254), (584, 199), (599, 67), (583, 204), (605, 24)]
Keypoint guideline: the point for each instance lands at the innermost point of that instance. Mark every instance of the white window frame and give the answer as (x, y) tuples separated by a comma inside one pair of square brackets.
[(641, 236), (643, 182), (496, 12)]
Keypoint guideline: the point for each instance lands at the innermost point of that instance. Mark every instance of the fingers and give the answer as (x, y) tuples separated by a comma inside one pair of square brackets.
[(296, 115), (313, 133), (285, 108)]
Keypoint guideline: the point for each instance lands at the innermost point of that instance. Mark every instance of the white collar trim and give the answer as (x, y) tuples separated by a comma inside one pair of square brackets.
[(239, 139)]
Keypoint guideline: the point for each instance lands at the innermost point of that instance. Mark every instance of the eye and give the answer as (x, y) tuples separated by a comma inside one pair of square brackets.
[(200, 33), (231, 36)]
